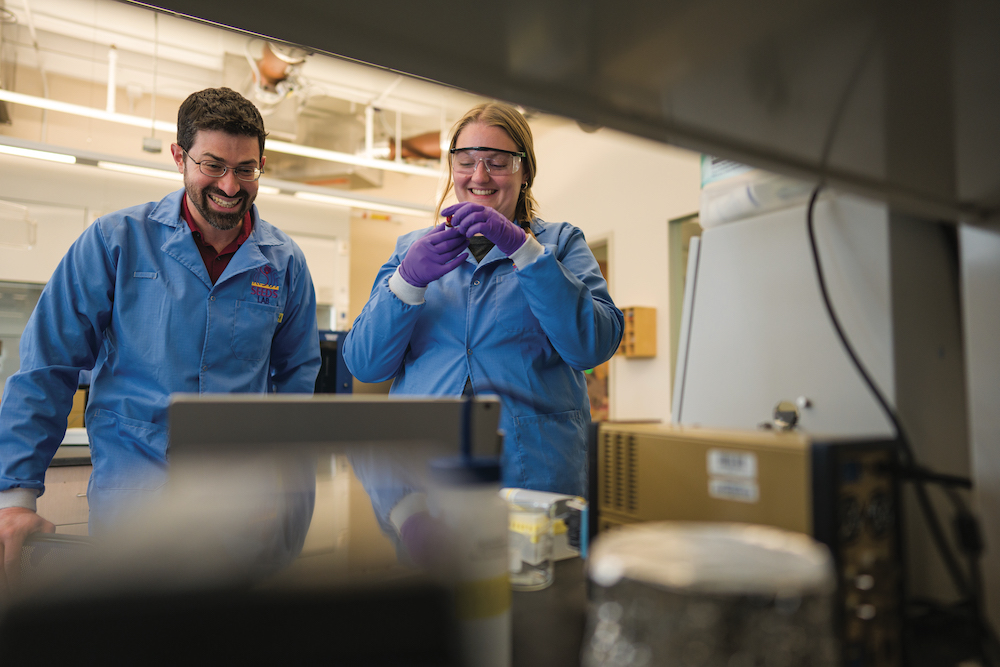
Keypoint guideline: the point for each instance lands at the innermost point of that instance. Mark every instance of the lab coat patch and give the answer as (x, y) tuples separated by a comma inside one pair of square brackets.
[(262, 288)]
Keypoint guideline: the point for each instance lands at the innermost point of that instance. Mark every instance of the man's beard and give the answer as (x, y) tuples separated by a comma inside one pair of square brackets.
[(219, 220)]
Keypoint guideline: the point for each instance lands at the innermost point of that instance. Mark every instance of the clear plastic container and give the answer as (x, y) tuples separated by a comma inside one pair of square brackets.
[(529, 546), (567, 513), (747, 194)]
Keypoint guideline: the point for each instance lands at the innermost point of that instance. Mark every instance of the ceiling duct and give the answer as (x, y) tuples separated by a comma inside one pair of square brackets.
[(277, 63), (327, 122), (426, 146), (292, 113), (276, 74)]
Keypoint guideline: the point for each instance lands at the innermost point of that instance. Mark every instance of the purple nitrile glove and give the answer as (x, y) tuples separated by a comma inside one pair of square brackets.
[(474, 219), (433, 255), (426, 540)]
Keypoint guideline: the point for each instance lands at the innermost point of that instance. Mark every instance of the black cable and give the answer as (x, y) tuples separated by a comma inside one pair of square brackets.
[(835, 321), (966, 527), (943, 479), (909, 461), (970, 541), (920, 476)]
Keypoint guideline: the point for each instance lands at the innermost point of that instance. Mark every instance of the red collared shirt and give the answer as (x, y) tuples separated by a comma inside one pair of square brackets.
[(216, 262)]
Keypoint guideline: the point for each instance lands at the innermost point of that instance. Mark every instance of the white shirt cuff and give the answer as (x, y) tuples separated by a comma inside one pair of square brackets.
[(19, 497), (407, 293), (529, 251)]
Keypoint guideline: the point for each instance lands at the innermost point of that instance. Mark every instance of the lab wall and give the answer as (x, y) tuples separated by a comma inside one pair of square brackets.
[(63, 200), (373, 239), (623, 190), (373, 235), (60, 129)]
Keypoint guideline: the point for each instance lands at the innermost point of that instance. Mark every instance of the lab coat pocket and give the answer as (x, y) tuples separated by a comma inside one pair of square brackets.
[(550, 453), (253, 330), (127, 453), (510, 307)]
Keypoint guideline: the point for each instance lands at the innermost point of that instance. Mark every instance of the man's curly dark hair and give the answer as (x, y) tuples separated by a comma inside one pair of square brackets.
[(218, 109)]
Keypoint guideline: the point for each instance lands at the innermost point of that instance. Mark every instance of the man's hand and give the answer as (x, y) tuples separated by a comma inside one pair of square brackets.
[(472, 219), (16, 523)]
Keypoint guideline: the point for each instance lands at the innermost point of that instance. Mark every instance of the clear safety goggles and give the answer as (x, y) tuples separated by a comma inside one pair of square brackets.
[(496, 160)]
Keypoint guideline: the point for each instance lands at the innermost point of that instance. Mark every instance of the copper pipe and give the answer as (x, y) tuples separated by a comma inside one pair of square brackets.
[(426, 146)]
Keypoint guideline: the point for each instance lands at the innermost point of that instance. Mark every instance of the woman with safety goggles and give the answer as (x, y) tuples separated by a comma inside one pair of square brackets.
[(493, 300)]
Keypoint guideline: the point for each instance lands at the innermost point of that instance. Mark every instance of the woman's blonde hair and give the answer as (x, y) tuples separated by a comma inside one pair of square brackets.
[(506, 117)]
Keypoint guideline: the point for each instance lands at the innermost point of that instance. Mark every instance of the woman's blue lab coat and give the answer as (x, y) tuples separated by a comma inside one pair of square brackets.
[(531, 332), (132, 299)]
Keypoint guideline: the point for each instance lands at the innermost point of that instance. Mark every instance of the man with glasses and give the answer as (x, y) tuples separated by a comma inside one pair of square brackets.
[(194, 293)]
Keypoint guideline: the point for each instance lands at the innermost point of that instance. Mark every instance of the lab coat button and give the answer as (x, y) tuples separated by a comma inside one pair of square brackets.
[(211, 298), (476, 282), (469, 350), (204, 368)]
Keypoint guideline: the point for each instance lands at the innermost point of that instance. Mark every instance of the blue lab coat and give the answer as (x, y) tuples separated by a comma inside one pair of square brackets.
[(132, 299), (526, 334)]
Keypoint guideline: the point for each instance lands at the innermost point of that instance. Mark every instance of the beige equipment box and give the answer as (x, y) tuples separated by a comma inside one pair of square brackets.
[(842, 492)]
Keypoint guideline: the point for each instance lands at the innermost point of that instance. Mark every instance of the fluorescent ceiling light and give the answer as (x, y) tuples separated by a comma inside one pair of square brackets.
[(23, 148), (86, 112), (347, 158), (171, 128), (360, 203), (141, 171), (41, 155)]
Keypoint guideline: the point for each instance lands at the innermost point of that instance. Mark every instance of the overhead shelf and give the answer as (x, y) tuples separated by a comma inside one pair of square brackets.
[(888, 99)]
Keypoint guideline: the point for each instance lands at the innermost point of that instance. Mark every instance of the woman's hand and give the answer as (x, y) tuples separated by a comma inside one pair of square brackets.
[(472, 219), (433, 255)]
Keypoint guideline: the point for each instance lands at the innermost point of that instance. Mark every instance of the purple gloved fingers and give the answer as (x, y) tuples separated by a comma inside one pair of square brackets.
[(433, 255), (457, 213), (451, 210), (446, 239), (424, 538), (421, 273), (472, 219)]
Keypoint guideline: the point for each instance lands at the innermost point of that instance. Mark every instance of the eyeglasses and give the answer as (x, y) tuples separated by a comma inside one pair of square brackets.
[(218, 170), (496, 160)]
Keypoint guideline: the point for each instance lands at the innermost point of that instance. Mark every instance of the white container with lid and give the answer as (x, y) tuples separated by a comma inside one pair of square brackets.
[(465, 498), (710, 594)]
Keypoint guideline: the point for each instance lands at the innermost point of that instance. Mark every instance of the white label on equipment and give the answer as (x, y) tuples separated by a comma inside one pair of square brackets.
[(731, 463), (734, 489)]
